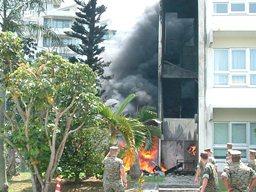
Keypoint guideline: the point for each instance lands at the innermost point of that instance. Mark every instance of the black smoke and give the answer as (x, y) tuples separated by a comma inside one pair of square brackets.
[(135, 68)]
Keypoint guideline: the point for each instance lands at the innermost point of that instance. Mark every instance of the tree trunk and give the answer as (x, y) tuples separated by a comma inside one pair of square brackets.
[(135, 171), (11, 162), (3, 177), (36, 186)]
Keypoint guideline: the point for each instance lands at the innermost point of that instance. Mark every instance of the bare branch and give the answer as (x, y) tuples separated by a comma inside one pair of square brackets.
[(20, 110), (68, 108), (78, 128), (46, 128)]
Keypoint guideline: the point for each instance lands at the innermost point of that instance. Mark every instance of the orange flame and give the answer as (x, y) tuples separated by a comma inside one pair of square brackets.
[(192, 150), (129, 159), (148, 158)]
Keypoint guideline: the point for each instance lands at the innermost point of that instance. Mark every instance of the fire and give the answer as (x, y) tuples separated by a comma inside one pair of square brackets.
[(148, 158), (192, 150)]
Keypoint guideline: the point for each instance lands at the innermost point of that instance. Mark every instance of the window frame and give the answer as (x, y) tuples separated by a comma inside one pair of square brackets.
[(229, 7), (247, 72), (248, 7), (215, 13), (238, 146), (237, 12)]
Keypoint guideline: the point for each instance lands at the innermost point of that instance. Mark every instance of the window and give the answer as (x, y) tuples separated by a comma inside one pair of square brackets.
[(219, 153), (235, 67), (46, 42), (238, 79), (221, 60), (47, 22), (253, 133), (221, 133), (228, 7), (238, 132), (253, 59), (221, 67), (221, 79), (253, 79), (237, 7), (220, 8), (238, 59)]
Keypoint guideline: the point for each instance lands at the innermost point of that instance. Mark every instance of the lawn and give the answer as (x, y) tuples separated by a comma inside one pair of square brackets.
[(22, 183)]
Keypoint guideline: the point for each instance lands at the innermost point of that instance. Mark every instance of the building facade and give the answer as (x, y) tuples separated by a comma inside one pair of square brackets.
[(220, 57), (59, 19), (227, 110)]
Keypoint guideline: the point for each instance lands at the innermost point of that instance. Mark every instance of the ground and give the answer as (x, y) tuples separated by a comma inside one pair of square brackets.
[(22, 183)]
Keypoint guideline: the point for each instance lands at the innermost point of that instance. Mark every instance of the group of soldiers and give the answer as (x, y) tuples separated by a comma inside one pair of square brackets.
[(236, 176)]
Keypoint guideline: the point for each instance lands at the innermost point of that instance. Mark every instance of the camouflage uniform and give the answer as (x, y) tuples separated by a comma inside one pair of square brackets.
[(201, 167), (211, 174), (239, 176), (252, 164), (111, 177), (212, 160)]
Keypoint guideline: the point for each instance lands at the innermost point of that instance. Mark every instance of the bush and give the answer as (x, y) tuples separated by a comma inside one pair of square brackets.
[(84, 153)]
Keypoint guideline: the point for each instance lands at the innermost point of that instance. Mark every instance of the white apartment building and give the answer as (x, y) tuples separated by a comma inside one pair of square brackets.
[(58, 18), (227, 95)]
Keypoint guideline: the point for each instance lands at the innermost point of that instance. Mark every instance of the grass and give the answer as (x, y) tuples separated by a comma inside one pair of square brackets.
[(21, 183)]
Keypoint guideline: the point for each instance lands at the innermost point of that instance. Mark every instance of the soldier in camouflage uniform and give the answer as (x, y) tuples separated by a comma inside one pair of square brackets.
[(210, 156), (114, 178), (199, 172), (238, 177), (252, 162), (210, 175), (228, 156)]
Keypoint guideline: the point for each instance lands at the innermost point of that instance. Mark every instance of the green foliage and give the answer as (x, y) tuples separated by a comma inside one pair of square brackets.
[(90, 30), (84, 153), (49, 99), (10, 52), (146, 113)]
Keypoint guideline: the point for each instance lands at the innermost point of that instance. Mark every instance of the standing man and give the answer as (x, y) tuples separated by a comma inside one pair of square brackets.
[(210, 175), (237, 176), (252, 162), (199, 172), (210, 156), (228, 156), (114, 177)]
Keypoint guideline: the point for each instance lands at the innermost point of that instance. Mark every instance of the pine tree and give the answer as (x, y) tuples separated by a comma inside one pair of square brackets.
[(89, 29)]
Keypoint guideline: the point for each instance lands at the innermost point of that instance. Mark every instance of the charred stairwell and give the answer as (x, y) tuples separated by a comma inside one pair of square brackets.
[(178, 83)]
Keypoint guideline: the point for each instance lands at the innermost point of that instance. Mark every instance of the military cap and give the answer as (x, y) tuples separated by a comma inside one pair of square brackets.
[(235, 153), (208, 150), (229, 145), (113, 148), (252, 151)]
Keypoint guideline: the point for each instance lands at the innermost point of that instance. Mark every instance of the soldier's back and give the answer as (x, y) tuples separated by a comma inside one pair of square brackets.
[(112, 168), (240, 176), (252, 165)]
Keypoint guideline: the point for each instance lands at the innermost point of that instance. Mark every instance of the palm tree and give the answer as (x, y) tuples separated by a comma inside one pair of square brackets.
[(135, 132), (11, 13)]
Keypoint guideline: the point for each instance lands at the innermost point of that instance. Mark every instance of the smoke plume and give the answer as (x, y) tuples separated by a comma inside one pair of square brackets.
[(134, 69)]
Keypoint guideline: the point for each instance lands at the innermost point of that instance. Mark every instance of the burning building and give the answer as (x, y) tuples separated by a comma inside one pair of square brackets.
[(159, 62), (178, 82)]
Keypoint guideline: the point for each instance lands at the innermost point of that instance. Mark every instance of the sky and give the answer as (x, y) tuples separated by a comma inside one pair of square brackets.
[(124, 13)]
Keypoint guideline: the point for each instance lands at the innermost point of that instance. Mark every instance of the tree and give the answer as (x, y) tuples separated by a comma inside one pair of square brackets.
[(50, 99), (11, 12), (84, 153), (137, 132), (89, 29)]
